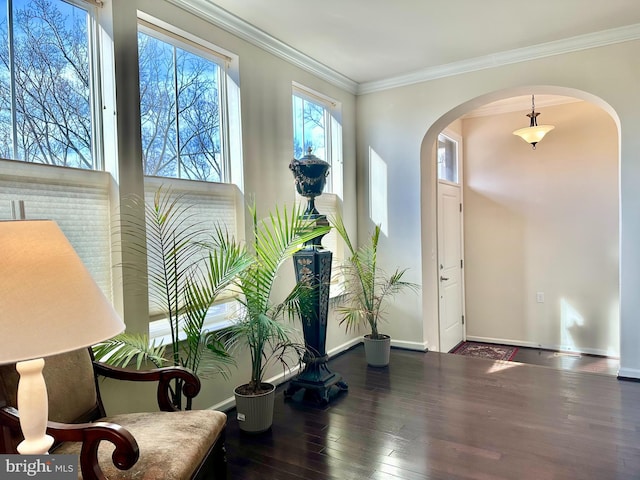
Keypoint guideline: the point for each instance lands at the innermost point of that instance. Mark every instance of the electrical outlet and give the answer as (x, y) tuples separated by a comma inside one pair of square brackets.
[(540, 297)]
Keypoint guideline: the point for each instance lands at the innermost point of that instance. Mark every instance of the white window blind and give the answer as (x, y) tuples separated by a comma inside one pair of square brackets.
[(78, 200), (210, 204)]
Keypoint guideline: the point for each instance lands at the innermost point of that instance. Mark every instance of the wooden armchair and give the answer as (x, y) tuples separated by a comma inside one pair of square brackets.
[(167, 445)]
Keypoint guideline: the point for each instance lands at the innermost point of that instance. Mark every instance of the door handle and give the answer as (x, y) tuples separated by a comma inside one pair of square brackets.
[(443, 279)]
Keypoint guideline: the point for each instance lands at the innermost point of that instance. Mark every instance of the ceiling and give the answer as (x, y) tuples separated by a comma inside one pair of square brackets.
[(369, 41)]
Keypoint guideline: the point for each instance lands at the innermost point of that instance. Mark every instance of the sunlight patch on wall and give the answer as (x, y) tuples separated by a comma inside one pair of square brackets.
[(378, 190), (570, 322)]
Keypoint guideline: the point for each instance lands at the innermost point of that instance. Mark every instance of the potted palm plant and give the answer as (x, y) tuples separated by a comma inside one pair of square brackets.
[(186, 272), (367, 288), (259, 327)]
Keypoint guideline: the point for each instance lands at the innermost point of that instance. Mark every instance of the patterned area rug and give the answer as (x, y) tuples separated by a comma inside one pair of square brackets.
[(485, 350)]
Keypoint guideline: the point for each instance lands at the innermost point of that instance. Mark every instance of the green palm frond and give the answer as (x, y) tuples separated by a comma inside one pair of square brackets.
[(169, 237), (275, 239), (223, 266), (166, 237), (122, 349), (189, 264), (367, 285)]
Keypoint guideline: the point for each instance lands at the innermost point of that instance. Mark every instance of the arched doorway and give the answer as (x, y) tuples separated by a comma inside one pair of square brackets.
[(564, 319)]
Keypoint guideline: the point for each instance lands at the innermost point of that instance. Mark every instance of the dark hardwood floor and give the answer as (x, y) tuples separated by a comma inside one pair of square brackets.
[(443, 416), (568, 361)]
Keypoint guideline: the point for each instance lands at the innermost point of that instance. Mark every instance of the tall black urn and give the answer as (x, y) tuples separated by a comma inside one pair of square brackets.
[(313, 267)]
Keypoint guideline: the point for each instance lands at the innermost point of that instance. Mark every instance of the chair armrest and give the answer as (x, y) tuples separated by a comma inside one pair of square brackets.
[(124, 456), (190, 382)]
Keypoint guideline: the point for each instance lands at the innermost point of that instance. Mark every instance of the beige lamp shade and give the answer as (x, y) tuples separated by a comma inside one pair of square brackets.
[(49, 303), (534, 134)]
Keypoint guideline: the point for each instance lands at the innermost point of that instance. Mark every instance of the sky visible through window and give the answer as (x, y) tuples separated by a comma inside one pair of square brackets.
[(45, 103), (180, 103), (309, 128)]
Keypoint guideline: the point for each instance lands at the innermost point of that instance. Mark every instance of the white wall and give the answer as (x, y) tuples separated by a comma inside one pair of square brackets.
[(267, 132), (402, 124), (543, 220)]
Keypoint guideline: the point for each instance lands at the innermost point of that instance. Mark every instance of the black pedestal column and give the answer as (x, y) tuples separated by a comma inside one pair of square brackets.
[(313, 267)]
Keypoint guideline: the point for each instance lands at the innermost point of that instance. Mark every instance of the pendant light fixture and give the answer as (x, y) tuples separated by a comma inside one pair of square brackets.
[(534, 132)]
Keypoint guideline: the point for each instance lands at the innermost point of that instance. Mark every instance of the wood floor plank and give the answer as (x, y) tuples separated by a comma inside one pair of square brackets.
[(442, 416)]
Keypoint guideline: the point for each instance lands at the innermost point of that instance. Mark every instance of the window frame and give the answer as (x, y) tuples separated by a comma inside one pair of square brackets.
[(457, 142), (332, 115), (46, 178), (91, 7), (329, 203), (228, 90), (231, 186)]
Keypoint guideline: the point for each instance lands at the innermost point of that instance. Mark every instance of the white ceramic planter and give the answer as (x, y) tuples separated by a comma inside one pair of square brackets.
[(255, 412), (377, 351)]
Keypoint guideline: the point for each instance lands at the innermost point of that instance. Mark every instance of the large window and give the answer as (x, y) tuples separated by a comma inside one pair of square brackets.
[(190, 135), (317, 127), (183, 107), (311, 125), (46, 83), (48, 91)]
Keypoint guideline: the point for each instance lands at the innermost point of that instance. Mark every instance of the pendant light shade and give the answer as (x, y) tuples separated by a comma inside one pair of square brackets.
[(534, 132)]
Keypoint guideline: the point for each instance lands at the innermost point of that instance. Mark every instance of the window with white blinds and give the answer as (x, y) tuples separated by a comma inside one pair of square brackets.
[(317, 125), (49, 100), (183, 103), (78, 200), (190, 116), (210, 205)]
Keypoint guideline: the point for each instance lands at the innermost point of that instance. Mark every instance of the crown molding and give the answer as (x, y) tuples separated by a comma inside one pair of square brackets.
[(238, 27), (558, 47)]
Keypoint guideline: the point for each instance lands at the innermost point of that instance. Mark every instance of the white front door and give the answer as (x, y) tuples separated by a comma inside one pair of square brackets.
[(450, 265)]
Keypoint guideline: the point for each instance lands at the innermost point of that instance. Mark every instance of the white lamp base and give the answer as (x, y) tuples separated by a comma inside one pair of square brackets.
[(33, 406)]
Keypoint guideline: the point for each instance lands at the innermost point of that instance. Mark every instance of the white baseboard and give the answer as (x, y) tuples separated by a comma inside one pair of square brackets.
[(629, 373), (558, 348), (344, 347), (229, 403), (417, 346), (224, 405)]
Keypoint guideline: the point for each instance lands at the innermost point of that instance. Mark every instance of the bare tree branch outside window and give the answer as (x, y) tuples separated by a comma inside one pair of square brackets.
[(180, 110), (50, 77), (309, 128)]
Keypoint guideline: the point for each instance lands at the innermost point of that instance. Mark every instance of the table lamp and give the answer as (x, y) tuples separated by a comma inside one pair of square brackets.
[(49, 304)]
